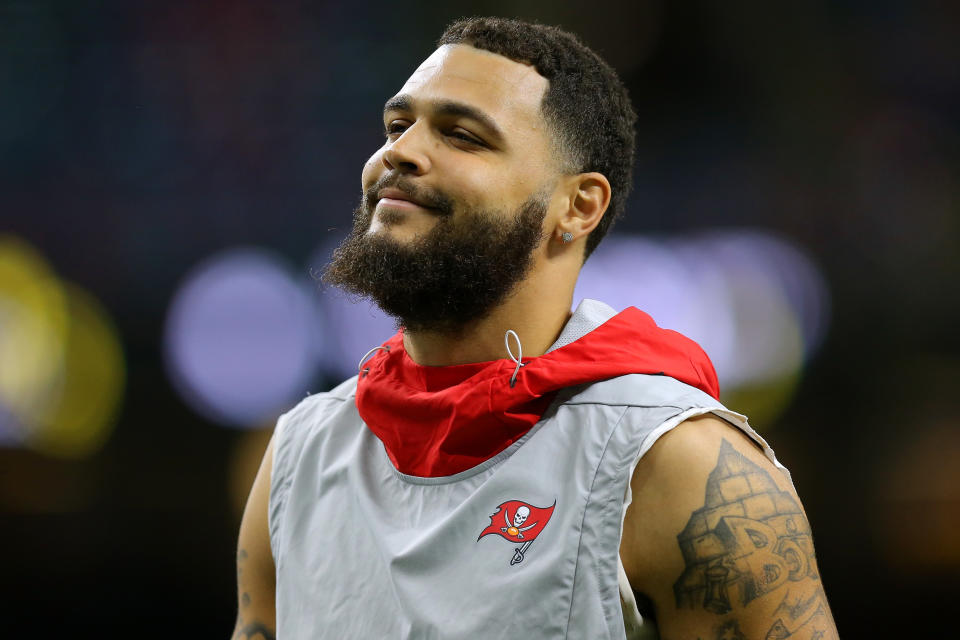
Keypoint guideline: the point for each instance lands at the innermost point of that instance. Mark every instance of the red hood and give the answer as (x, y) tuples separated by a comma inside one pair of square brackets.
[(438, 421)]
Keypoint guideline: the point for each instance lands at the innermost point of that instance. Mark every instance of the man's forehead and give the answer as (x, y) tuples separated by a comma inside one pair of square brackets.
[(500, 86)]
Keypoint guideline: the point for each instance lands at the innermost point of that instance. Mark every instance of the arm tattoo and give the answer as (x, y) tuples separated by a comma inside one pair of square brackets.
[(730, 631), (727, 631), (241, 558), (796, 612), (749, 539), (254, 631)]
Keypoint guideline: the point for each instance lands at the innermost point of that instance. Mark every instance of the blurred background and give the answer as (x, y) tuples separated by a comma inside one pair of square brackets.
[(172, 174)]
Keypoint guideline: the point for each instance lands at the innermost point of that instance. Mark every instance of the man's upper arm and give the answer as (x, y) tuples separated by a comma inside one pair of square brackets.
[(717, 538), (256, 577)]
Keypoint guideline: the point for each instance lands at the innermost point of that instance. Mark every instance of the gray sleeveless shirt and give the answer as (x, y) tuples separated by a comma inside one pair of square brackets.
[(364, 551)]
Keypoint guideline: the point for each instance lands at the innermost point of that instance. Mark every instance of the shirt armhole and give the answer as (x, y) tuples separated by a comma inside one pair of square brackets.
[(281, 476)]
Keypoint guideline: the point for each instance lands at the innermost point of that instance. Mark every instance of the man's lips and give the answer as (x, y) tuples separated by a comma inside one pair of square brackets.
[(400, 204), (399, 199)]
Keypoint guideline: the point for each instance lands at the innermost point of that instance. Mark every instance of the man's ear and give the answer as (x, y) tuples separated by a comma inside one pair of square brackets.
[(589, 199)]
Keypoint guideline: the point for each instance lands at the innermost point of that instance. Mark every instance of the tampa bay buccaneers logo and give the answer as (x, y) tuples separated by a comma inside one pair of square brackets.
[(519, 522)]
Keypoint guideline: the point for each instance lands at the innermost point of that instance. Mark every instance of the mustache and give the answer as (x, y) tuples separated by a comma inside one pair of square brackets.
[(432, 198)]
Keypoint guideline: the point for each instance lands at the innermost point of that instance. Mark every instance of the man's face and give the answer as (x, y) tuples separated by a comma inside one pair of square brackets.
[(492, 159), (454, 201)]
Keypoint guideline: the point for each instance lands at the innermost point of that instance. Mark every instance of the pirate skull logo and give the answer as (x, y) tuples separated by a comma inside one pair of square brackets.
[(519, 517)]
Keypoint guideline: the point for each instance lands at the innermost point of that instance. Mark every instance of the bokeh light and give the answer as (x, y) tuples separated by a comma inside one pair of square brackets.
[(242, 337), (680, 292), (755, 302), (62, 366), (91, 390), (33, 327)]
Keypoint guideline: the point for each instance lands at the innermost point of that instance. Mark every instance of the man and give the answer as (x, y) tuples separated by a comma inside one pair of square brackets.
[(502, 467)]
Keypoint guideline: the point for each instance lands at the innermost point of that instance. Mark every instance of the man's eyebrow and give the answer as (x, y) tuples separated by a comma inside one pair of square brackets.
[(401, 102), (404, 102)]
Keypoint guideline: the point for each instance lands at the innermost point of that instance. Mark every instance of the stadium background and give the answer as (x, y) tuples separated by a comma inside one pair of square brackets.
[(173, 172)]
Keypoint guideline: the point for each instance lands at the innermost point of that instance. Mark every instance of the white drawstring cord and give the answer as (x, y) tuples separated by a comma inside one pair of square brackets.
[(364, 371), (506, 342), (518, 359)]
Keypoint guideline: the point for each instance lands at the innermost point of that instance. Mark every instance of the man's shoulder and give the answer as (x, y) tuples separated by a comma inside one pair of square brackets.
[(698, 438), (311, 418), (313, 410), (641, 390), (344, 391), (703, 468)]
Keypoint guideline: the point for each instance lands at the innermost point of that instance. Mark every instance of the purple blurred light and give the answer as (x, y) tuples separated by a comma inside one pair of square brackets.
[(680, 290), (755, 303), (784, 268), (241, 339)]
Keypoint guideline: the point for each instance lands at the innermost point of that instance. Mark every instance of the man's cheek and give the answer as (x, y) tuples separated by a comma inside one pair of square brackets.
[(372, 169)]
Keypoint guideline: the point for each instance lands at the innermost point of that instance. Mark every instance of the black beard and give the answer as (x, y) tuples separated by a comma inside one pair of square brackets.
[(445, 280)]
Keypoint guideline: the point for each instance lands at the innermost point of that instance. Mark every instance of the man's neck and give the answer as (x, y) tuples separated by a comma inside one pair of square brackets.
[(537, 320)]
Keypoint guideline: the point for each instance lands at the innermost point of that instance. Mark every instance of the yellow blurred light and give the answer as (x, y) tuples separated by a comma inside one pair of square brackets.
[(81, 420), (768, 392), (61, 364), (33, 327), (765, 401)]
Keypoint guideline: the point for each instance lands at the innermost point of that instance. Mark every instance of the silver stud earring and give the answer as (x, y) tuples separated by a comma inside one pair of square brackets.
[(567, 236)]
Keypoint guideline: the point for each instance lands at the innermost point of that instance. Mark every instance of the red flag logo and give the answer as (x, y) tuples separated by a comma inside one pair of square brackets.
[(519, 522)]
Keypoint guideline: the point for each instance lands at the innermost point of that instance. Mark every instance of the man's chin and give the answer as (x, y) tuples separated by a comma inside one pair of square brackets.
[(400, 227)]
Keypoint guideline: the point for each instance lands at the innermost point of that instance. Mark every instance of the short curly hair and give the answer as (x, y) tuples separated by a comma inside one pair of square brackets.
[(586, 104)]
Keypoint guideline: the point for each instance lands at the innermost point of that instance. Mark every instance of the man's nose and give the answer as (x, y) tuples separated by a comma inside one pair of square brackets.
[(407, 154)]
